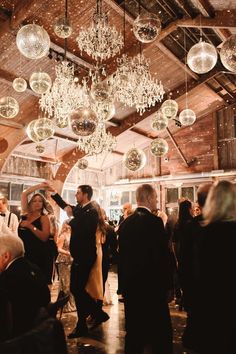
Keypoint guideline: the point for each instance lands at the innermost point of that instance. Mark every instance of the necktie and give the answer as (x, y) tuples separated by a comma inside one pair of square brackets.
[(2, 214)]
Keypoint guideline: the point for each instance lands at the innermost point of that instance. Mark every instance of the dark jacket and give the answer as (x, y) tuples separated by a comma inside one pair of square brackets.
[(144, 254), (83, 231), (24, 289)]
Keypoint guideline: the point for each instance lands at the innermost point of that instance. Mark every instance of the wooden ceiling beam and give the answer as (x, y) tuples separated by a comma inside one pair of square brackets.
[(177, 147), (186, 8), (222, 19), (205, 8)]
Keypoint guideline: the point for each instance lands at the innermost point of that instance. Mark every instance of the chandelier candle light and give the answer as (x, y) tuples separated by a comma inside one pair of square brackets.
[(100, 40), (133, 84)]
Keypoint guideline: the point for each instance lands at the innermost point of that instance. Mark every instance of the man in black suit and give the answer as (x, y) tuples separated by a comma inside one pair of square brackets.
[(23, 289), (146, 277), (83, 250)]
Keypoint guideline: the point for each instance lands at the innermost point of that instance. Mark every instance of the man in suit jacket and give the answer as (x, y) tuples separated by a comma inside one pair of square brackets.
[(83, 250), (146, 277), (23, 289), (8, 221)]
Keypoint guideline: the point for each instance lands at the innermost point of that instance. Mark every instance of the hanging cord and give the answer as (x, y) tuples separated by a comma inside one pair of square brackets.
[(140, 44), (124, 26), (65, 39), (185, 71), (201, 31)]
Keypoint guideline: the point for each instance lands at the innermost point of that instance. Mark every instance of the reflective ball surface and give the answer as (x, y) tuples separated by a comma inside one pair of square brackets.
[(19, 84), (202, 57), (9, 107), (83, 121), (33, 41), (100, 91), (159, 121), (187, 117), (169, 108), (62, 27), (159, 147), (82, 164), (147, 27), (31, 132), (44, 128), (40, 82), (228, 53), (134, 159)]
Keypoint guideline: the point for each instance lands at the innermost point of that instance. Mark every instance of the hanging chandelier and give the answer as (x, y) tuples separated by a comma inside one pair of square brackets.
[(100, 40), (100, 141), (65, 95), (133, 84)]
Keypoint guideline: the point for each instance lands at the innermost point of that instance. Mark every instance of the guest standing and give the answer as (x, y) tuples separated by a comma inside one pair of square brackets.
[(35, 230), (23, 289), (146, 277), (10, 220), (217, 261), (64, 261), (83, 250)]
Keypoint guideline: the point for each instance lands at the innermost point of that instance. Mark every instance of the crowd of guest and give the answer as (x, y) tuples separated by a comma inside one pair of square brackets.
[(192, 261)]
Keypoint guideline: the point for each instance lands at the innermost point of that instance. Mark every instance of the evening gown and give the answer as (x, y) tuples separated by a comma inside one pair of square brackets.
[(36, 250), (64, 262)]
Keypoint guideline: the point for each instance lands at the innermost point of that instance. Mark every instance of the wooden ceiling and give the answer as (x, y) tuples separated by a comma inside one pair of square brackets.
[(180, 18)]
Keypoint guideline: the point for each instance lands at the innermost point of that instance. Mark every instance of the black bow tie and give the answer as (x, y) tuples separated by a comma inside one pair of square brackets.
[(2, 214)]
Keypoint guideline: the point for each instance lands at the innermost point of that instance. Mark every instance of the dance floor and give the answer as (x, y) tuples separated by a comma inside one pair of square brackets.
[(108, 338)]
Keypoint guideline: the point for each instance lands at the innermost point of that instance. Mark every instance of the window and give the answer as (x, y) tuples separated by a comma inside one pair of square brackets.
[(16, 190), (172, 195), (124, 198), (4, 189), (188, 193)]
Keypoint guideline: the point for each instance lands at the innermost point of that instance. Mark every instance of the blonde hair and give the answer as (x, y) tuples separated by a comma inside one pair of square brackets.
[(220, 203)]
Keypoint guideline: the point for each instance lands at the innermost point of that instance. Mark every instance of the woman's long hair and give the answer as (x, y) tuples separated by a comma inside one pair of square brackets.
[(101, 221), (45, 208), (184, 213), (221, 203)]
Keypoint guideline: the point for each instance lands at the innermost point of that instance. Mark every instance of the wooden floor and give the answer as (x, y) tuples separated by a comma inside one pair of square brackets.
[(108, 338)]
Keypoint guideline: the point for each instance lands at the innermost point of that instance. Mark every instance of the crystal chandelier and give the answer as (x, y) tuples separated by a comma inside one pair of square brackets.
[(133, 84), (100, 40), (65, 95), (100, 141)]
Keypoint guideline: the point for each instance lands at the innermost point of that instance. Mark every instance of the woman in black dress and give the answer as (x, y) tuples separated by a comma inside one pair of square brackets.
[(34, 230)]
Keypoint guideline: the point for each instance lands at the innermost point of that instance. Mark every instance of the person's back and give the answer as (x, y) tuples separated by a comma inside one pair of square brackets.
[(23, 288), (146, 277)]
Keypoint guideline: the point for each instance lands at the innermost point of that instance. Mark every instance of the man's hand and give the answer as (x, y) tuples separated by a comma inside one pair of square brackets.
[(49, 186), (68, 211)]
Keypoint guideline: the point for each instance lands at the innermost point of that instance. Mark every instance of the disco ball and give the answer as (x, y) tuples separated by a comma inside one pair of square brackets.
[(62, 27), (9, 107), (100, 91), (40, 82), (31, 132), (104, 110), (228, 53), (147, 27), (62, 122), (44, 128), (134, 159), (159, 147), (19, 84), (159, 121), (83, 121), (169, 108), (187, 117), (40, 149), (82, 164), (202, 57), (33, 41)]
